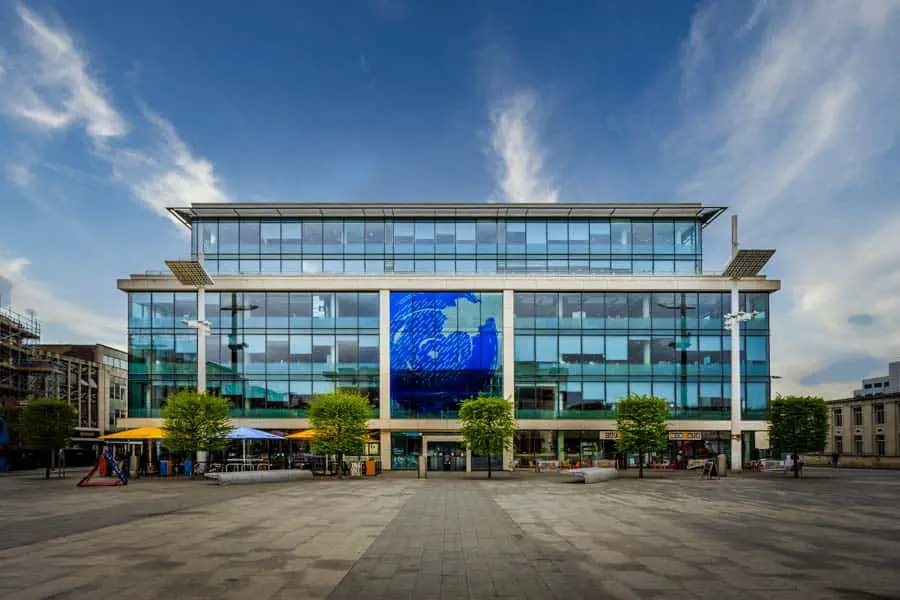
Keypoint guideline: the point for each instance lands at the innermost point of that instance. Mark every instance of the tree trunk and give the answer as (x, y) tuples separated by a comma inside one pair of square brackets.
[(490, 470), (796, 457), (641, 465), (49, 462)]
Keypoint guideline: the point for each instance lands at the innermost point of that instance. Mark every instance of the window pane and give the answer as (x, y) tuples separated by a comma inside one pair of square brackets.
[(290, 237), (249, 237), (163, 309), (663, 237), (354, 237), (579, 233), (277, 309), (139, 311), (600, 237), (686, 237), (228, 237), (642, 237), (210, 234), (312, 237), (620, 232), (270, 237), (375, 237)]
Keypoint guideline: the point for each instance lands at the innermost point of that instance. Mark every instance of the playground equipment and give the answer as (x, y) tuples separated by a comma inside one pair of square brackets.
[(105, 463)]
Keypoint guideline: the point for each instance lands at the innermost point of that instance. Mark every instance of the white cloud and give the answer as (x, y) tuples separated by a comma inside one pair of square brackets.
[(167, 174), (83, 324), (52, 88), (795, 131), (520, 173), (19, 174)]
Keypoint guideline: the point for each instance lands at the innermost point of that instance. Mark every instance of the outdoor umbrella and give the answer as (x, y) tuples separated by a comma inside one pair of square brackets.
[(141, 433), (248, 433)]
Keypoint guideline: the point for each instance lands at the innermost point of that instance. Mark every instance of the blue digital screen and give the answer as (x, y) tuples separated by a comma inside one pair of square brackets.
[(445, 348)]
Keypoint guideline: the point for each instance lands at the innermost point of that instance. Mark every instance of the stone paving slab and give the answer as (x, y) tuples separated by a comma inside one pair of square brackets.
[(527, 537)]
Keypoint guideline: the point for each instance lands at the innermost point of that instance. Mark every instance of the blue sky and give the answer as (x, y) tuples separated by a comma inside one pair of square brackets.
[(783, 111)]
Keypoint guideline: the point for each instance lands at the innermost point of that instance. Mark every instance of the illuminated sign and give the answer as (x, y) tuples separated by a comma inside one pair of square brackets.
[(686, 436)]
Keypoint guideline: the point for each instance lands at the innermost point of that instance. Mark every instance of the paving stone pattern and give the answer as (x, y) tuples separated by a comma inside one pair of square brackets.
[(452, 541), (834, 535)]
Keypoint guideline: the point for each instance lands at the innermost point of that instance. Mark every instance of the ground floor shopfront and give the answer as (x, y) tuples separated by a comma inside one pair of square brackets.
[(397, 443)]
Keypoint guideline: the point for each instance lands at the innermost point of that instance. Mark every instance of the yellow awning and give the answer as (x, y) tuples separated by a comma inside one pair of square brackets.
[(310, 434), (141, 433)]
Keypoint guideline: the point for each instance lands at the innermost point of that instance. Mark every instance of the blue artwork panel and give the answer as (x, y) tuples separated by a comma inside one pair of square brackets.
[(445, 348)]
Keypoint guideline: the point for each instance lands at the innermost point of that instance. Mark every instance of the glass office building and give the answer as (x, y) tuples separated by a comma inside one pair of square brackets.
[(561, 309)]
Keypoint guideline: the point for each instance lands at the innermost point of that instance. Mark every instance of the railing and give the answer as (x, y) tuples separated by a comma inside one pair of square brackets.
[(28, 324)]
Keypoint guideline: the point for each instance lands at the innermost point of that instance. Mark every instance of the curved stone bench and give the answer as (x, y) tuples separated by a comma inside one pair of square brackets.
[(591, 474), (260, 476)]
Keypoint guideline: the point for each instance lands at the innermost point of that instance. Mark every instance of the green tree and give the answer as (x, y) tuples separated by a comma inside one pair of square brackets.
[(340, 421), (798, 424), (48, 424), (641, 421), (487, 426), (195, 422)]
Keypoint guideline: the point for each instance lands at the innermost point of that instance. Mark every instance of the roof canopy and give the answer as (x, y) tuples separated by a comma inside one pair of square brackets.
[(691, 210)]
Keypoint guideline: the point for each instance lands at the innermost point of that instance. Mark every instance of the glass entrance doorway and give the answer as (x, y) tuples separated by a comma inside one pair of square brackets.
[(446, 456)]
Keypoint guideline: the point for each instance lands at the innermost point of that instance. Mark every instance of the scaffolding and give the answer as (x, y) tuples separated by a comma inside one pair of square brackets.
[(26, 372)]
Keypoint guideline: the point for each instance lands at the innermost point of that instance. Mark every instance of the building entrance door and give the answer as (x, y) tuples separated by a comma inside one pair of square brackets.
[(446, 456)]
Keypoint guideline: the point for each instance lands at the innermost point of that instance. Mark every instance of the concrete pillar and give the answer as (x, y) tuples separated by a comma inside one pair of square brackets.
[(509, 362), (737, 455), (384, 354), (385, 438), (201, 340), (560, 445)]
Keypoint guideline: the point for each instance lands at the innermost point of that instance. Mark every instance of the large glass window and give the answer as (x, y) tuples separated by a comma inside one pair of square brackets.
[(439, 246), (591, 348), (278, 351)]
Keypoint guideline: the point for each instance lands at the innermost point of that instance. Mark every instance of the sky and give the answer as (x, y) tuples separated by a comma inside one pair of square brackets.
[(786, 112)]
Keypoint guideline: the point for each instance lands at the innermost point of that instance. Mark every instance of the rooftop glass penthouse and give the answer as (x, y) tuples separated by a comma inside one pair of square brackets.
[(562, 309)]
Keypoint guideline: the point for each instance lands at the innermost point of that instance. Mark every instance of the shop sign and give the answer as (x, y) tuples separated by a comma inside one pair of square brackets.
[(686, 436), (609, 435)]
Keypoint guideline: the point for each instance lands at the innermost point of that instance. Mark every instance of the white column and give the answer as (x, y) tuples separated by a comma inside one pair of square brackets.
[(737, 455), (509, 360), (201, 340), (384, 355), (385, 437)]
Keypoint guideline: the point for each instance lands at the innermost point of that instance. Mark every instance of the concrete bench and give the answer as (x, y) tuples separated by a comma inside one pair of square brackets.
[(591, 474), (260, 476)]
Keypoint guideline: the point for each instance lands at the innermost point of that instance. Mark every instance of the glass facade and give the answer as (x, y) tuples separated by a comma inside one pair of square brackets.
[(445, 348), (448, 246), (577, 354), (268, 352)]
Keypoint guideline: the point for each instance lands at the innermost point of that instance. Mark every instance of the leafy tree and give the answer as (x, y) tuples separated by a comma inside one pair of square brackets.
[(340, 421), (48, 424), (195, 422), (798, 424), (641, 422), (488, 426)]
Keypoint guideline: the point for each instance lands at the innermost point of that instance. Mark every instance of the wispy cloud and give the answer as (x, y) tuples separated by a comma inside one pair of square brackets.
[(84, 325), (48, 85), (167, 174), (52, 88), (517, 152), (794, 129)]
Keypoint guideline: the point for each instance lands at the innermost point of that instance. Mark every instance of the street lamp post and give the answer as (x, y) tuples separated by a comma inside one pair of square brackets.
[(743, 263), (192, 273)]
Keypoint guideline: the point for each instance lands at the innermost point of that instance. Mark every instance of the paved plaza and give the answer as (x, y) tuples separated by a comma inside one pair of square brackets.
[(835, 534)]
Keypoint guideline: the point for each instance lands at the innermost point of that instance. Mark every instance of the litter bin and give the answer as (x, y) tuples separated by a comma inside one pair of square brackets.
[(163, 468), (370, 468), (720, 464), (188, 467)]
